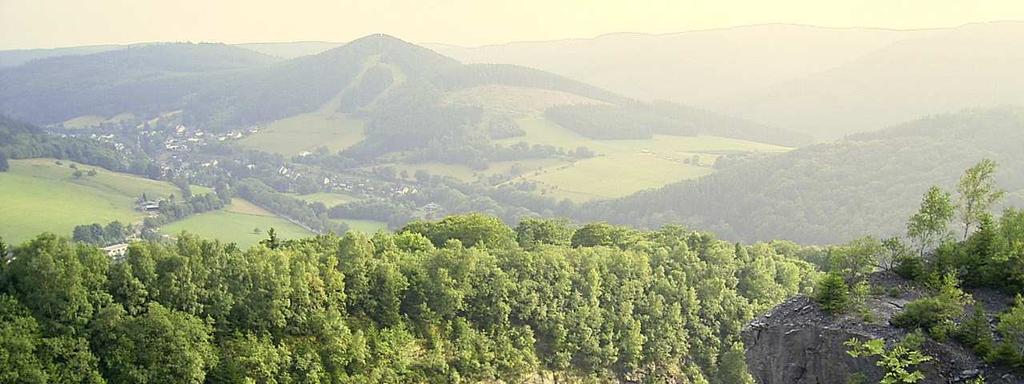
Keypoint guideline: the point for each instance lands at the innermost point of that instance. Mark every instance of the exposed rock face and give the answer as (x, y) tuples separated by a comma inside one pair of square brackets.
[(798, 343), (792, 345)]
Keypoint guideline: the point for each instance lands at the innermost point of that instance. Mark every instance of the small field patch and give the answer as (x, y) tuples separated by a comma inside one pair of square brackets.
[(240, 222)]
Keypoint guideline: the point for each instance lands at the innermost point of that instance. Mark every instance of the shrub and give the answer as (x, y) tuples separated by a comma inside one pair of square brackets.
[(910, 267), (929, 312), (899, 362), (832, 293), (976, 333), (1010, 350)]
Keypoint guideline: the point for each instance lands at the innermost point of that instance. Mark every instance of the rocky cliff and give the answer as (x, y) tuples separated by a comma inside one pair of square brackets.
[(798, 343)]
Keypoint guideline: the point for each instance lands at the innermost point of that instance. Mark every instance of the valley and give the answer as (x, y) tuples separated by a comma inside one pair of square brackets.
[(299, 198)]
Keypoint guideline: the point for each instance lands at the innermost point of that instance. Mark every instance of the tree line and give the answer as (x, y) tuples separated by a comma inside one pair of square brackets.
[(464, 299), (982, 252)]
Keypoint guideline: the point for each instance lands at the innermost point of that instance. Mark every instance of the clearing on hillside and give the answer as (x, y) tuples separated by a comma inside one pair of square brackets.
[(307, 132), (41, 196), (634, 164), (240, 222), (329, 199)]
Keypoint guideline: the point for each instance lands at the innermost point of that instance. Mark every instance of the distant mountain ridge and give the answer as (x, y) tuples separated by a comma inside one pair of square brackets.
[(220, 87), (827, 82)]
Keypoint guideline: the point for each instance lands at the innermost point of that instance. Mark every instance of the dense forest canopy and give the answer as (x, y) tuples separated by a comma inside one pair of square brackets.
[(465, 299)]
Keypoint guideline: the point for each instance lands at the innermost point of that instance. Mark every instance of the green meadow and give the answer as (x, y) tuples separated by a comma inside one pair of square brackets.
[(307, 132), (240, 222), (329, 199), (40, 196), (623, 167)]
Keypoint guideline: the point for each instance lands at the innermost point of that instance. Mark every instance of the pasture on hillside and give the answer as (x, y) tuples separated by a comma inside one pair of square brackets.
[(41, 196), (240, 222), (329, 199), (307, 132)]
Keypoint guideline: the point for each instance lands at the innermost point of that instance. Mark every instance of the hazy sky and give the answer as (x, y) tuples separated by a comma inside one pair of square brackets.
[(53, 23)]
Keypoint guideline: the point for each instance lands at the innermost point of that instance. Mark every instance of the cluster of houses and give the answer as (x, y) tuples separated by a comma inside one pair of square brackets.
[(184, 139), (148, 206), (116, 251)]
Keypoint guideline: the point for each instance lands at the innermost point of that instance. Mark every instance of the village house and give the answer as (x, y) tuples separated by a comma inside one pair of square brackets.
[(116, 250)]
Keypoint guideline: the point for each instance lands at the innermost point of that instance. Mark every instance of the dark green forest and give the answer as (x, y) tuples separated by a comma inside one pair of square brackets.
[(20, 140), (465, 299)]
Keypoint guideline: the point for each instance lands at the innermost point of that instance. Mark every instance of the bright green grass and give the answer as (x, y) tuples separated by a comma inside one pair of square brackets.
[(235, 224), (307, 132), (39, 196), (329, 199)]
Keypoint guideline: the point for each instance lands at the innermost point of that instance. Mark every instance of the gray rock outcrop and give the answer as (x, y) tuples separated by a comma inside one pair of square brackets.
[(798, 343)]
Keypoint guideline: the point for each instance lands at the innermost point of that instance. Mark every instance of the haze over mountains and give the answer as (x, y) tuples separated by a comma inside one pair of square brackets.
[(822, 81), (826, 82), (220, 87), (616, 209)]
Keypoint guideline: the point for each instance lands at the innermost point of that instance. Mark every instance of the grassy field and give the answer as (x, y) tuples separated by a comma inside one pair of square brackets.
[(621, 168), (40, 196), (329, 199), (236, 224), (634, 165), (307, 132)]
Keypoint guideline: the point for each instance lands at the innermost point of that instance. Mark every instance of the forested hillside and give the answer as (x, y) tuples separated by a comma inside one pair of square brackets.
[(19, 140), (220, 87), (465, 299), (143, 80), (865, 184)]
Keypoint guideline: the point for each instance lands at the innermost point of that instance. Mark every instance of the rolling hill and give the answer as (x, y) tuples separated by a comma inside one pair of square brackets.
[(143, 81), (689, 67), (220, 86), (865, 184), (826, 82), (16, 57)]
